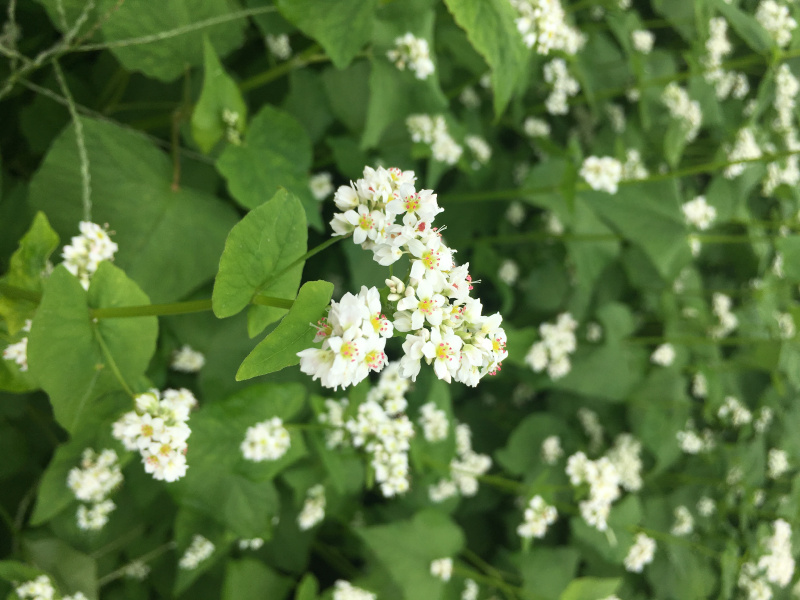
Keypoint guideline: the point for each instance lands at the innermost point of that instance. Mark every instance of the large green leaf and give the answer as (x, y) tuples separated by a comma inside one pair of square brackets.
[(342, 27), (546, 572), (590, 588), (491, 30), (74, 358), (265, 242), (250, 579), (293, 334), (164, 56), (72, 570), (219, 93), (169, 240)]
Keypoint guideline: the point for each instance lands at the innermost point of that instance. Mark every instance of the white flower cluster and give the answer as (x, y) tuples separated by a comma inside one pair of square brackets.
[(442, 568), (137, 570), (432, 130), (640, 554), (268, 440), (18, 352), (591, 425), (464, 469), (776, 566), (682, 108), (279, 45), (480, 149), (664, 355), (87, 250), (634, 168), (726, 83), (625, 456), (538, 517), (699, 213), (199, 550), (251, 544), (534, 127), (777, 20), (552, 450), (443, 324), (604, 487), (313, 511), (508, 272), (321, 185), (786, 88), (470, 591), (158, 430), (692, 442), (706, 506), (434, 422), (412, 52), (643, 40), (734, 412), (721, 305), (777, 463), (745, 148), (602, 173), (232, 119), (543, 26), (36, 589), (553, 350), (616, 116), (684, 522), (344, 590), (563, 86), (187, 360), (93, 482)]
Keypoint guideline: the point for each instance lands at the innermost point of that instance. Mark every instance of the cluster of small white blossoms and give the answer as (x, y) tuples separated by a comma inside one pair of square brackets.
[(777, 463), (432, 130), (643, 40), (442, 568), (534, 127), (602, 173), (684, 522), (87, 251), (553, 350), (279, 45), (563, 86), (633, 168), (692, 442), (663, 356), (344, 590), (543, 26), (231, 119), (42, 588), (442, 323), (508, 272), (776, 19), (734, 412), (604, 487), (625, 455), (745, 148), (268, 440), (699, 213), (187, 360), (538, 517), (465, 469), (18, 352), (640, 554), (682, 108), (774, 567), (471, 590), (552, 450), (313, 510), (251, 544), (199, 550), (721, 306), (434, 422), (412, 52), (321, 185), (158, 430), (726, 83), (786, 88), (480, 149), (93, 482)]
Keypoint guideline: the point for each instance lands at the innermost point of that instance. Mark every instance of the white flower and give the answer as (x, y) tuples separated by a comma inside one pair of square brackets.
[(480, 148), (684, 522), (344, 590), (268, 440), (535, 128), (199, 550), (706, 506), (18, 353), (625, 456), (137, 570), (551, 450), (187, 360), (640, 554), (682, 108), (515, 214), (470, 591), (251, 544), (643, 40), (664, 355), (543, 26), (734, 411), (508, 272), (37, 589), (412, 52), (777, 20), (699, 213), (313, 510), (603, 174), (727, 320), (745, 148), (778, 564), (442, 568), (95, 517), (552, 352), (435, 424), (86, 251), (777, 463), (279, 45), (538, 516), (563, 86)]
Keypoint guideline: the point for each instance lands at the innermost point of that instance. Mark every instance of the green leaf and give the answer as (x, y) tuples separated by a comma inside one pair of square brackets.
[(492, 32), (523, 450), (219, 93), (17, 572), (590, 588), (73, 571), (173, 38), (748, 28), (308, 588), (266, 241), (293, 334), (546, 572), (249, 579), (67, 350), (342, 27), (397, 546), (169, 240)]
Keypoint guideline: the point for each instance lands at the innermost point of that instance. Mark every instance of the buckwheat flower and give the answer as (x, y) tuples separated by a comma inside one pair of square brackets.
[(551, 450), (602, 173), (625, 456), (75, 596), (420, 128), (536, 128), (764, 419), (515, 214), (699, 213), (552, 352), (699, 386), (18, 353), (745, 148), (563, 86), (721, 306), (508, 272), (543, 26), (442, 568), (279, 45), (313, 511), (538, 517), (471, 590), (706, 506), (344, 590), (594, 332), (691, 442), (752, 581), (251, 544), (684, 522), (198, 551), (786, 89), (777, 463), (136, 570), (777, 20), (412, 52), (480, 150), (663, 356), (682, 108), (187, 360), (434, 422), (95, 517), (37, 589), (268, 440), (321, 185), (469, 98), (640, 554), (442, 490), (87, 250), (643, 40), (734, 411)]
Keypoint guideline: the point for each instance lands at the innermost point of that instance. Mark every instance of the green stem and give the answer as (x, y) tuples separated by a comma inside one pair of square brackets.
[(17, 293), (151, 310), (144, 558), (315, 250), (112, 363)]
